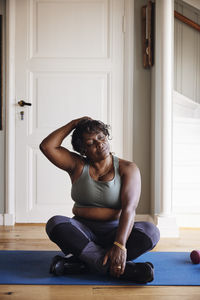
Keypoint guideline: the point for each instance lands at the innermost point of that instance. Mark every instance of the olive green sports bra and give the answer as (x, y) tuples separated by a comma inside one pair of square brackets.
[(87, 192)]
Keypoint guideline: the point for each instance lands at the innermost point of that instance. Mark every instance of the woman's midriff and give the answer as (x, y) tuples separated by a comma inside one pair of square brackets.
[(97, 213)]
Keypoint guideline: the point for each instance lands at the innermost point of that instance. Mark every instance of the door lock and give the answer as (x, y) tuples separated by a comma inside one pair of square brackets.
[(22, 115)]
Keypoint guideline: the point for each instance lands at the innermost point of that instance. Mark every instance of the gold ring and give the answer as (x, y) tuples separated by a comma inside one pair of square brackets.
[(118, 267)]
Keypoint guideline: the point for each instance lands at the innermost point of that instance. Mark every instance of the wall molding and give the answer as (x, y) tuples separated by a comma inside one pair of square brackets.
[(128, 78)]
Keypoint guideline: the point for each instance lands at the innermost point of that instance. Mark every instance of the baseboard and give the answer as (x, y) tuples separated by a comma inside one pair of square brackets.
[(8, 220), (1, 219), (145, 218), (167, 225), (188, 220)]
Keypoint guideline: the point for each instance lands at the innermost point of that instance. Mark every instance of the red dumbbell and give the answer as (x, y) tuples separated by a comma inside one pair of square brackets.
[(195, 256)]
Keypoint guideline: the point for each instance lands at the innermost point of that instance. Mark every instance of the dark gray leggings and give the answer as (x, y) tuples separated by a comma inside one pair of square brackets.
[(73, 234)]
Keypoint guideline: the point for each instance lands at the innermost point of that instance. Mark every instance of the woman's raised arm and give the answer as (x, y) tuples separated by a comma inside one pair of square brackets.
[(58, 155)]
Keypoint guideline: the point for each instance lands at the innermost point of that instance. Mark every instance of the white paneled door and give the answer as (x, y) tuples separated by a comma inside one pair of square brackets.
[(68, 64)]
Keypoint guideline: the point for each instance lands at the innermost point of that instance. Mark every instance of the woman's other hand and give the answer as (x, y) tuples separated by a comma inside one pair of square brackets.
[(117, 259), (76, 121)]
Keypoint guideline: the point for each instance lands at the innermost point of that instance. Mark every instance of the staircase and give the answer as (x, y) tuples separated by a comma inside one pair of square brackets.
[(186, 161)]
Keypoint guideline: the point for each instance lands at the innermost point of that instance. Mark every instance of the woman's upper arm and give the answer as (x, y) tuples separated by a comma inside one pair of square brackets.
[(131, 185), (61, 157)]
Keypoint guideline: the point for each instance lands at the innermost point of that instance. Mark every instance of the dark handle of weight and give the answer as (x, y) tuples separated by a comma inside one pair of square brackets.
[(23, 103)]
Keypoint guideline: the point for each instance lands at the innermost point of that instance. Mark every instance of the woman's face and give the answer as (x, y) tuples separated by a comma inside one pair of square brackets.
[(96, 145)]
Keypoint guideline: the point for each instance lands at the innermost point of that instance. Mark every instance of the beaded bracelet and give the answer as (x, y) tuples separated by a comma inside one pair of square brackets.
[(120, 246)]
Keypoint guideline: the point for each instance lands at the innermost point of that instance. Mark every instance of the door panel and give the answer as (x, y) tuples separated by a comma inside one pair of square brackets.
[(69, 63), (89, 91), (82, 27)]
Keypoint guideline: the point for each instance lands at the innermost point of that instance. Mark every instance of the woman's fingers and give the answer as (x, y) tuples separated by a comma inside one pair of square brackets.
[(76, 121), (123, 267), (117, 262), (117, 259), (116, 269), (84, 118), (105, 259)]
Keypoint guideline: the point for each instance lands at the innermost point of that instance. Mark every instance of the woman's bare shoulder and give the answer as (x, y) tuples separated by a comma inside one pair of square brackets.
[(80, 160), (127, 167)]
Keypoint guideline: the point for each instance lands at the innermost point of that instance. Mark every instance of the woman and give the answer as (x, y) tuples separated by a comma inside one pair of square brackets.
[(102, 235)]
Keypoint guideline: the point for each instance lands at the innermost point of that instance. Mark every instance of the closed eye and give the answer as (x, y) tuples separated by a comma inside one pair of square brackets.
[(89, 144), (101, 137)]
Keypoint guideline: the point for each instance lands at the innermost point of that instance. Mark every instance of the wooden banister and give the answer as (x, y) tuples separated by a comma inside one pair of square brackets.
[(187, 21)]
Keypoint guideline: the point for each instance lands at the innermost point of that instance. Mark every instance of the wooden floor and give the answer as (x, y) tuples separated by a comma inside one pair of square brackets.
[(33, 237)]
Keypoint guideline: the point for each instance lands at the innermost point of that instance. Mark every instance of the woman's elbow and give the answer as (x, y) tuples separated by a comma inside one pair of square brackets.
[(43, 147)]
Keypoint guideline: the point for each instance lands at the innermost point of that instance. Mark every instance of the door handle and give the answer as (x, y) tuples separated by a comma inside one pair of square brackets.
[(23, 103)]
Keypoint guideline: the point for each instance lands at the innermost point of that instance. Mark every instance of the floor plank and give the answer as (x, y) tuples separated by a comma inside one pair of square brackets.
[(88, 292)]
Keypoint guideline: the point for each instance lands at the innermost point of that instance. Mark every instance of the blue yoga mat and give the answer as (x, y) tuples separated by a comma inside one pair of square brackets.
[(32, 267)]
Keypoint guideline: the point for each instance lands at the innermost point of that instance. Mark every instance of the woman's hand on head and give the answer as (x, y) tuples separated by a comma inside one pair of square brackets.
[(76, 121), (117, 259)]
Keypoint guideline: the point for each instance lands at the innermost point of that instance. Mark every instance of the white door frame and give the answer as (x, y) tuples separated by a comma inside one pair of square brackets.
[(127, 23), (9, 213)]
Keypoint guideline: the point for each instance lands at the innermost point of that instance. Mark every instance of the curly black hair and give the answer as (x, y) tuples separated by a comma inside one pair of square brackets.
[(87, 126)]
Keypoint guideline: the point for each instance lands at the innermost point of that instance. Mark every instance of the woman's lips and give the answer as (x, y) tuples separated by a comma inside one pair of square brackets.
[(102, 150)]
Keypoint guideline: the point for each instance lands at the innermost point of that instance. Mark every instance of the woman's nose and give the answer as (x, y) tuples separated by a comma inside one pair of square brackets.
[(99, 144)]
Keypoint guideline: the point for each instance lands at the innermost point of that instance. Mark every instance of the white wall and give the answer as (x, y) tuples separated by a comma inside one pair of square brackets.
[(187, 53), (186, 125), (2, 132), (186, 161)]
